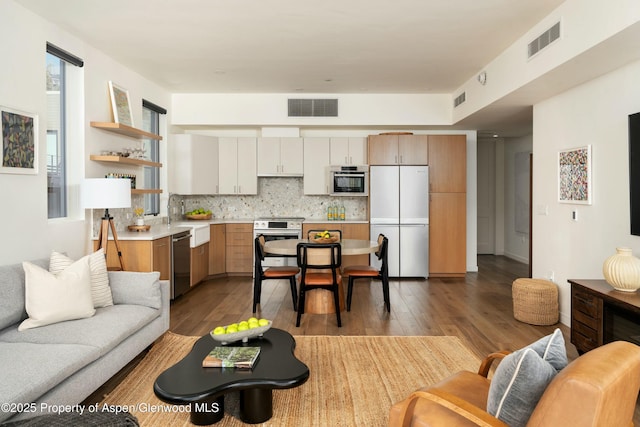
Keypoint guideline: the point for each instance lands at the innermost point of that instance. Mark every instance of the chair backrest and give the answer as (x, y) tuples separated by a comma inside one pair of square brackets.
[(259, 253), (598, 388), (334, 233), (383, 241), (319, 255)]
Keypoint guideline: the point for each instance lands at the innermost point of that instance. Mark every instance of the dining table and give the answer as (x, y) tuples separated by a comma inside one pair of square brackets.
[(320, 301)]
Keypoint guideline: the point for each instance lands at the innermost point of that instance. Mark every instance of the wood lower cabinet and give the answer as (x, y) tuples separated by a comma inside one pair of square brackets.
[(141, 255), (199, 263), (239, 246), (447, 234), (217, 249)]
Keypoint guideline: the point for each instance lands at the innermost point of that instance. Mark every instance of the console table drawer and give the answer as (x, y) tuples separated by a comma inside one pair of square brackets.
[(586, 303), (584, 338), (586, 320)]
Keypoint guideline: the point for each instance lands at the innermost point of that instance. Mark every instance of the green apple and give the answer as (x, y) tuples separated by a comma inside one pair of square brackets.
[(232, 329), (252, 319), (243, 323), (243, 327), (219, 330), (263, 322), (253, 325)]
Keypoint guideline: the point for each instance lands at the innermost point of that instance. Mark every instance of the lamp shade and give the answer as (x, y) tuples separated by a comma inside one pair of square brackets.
[(105, 193)]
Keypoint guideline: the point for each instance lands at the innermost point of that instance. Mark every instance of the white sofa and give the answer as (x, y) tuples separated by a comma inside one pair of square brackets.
[(64, 363)]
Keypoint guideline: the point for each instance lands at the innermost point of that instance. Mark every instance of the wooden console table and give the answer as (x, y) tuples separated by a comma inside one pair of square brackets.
[(600, 314)]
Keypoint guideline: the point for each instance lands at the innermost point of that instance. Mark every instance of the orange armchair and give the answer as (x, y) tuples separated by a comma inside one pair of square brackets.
[(598, 388)]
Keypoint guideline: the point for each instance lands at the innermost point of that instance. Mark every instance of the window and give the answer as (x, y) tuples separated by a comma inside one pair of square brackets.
[(151, 123), (57, 62)]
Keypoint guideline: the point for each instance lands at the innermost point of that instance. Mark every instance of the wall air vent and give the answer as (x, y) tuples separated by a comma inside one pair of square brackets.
[(313, 108), (460, 99), (545, 39)]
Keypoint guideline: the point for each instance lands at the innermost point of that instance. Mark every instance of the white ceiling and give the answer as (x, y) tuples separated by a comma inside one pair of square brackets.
[(287, 46)]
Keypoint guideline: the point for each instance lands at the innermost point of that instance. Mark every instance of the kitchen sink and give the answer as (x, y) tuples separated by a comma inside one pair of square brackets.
[(200, 232)]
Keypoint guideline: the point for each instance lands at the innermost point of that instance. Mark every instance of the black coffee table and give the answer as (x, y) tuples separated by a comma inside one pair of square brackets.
[(188, 383)]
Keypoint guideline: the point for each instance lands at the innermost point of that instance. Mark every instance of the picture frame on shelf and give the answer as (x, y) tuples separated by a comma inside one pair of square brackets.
[(120, 104), (574, 176), (19, 142)]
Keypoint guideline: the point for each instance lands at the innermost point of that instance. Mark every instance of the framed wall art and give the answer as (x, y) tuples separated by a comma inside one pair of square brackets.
[(19, 142), (120, 104), (574, 176)]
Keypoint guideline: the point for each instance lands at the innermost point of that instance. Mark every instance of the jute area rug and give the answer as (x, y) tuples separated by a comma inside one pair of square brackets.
[(353, 380)]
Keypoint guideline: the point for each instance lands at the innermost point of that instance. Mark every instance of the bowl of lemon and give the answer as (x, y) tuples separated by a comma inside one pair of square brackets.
[(241, 331), (324, 237)]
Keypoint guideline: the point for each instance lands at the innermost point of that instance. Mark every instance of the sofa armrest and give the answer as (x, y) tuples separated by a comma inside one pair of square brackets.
[(453, 403), (130, 287)]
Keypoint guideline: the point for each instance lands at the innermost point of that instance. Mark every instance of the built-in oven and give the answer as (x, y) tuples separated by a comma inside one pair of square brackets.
[(278, 229), (349, 180)]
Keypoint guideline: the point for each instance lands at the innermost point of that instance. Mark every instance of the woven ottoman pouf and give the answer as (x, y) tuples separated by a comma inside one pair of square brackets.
[(535, 301)]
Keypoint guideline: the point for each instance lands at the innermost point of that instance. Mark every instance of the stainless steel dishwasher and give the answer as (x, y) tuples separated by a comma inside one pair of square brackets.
[(180, 263)]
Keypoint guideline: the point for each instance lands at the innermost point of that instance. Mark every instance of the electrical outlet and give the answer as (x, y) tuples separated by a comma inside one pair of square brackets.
[(574, 215), (550, 276)]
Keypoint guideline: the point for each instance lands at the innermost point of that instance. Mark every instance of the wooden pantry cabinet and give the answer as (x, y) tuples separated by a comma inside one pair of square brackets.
[(447, 205), (239, 248), (217, 249), (398, 150), (141, 255)]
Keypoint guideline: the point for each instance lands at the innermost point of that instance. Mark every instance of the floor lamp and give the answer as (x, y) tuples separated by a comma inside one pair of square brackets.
[(106, 193)]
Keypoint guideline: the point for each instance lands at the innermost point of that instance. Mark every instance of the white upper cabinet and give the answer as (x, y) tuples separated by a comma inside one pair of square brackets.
[(237, 161), (316, 166), (193, 166), (348, 151), (280, 157)]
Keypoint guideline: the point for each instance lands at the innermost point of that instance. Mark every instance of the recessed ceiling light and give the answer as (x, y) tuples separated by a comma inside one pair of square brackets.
[(219, 72), (495, 135), (328, 80)]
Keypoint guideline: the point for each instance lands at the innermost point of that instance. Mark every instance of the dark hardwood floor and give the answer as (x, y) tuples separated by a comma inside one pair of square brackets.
[(477, 309)]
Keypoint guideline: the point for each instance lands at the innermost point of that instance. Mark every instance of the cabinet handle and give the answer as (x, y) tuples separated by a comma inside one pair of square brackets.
[(346, 162), (401, 158), (350, 160), (395, 158)]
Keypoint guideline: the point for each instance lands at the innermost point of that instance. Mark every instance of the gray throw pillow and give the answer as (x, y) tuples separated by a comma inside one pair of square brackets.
[(522, 377)]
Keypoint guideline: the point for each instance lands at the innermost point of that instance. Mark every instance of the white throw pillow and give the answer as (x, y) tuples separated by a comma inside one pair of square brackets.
[(52, 298), (100, 290)]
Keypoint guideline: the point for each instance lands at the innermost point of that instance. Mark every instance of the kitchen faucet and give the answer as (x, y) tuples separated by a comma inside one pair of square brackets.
[(169, 207)]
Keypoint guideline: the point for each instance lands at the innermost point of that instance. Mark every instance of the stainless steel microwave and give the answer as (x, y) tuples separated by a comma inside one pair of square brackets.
[(349, 180)]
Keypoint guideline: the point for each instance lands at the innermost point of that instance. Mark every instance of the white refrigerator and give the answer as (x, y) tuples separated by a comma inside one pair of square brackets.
[(399, 200)]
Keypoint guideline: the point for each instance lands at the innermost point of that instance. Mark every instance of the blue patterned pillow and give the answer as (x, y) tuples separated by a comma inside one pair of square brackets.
[(522, 377)]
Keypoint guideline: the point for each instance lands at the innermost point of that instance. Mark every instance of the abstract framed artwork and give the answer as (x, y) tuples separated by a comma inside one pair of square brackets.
[(574, 176), (19, 142), (120, 104)]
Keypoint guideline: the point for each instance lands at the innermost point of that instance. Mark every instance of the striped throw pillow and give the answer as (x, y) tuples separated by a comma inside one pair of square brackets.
[(100, 289)]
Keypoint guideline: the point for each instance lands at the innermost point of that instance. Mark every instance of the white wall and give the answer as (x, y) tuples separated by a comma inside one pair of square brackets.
[(26, 232), (594, 113), (516, 243), (219, 109)]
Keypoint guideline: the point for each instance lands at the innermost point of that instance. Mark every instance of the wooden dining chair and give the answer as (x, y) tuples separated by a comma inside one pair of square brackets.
[(334, 233), (319, 269), (271, 273), (368, 272)]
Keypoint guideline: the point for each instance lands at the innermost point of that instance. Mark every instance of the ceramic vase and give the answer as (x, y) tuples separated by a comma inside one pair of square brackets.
[(139, 221), (622, 270)]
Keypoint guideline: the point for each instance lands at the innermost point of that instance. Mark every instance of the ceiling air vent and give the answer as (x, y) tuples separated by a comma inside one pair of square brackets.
[(548, 37), (460, 99), (313, 108)]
